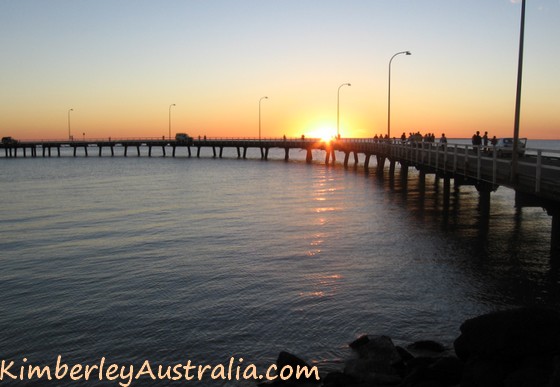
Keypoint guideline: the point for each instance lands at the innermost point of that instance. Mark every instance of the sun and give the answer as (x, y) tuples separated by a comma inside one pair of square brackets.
[(326, 134)]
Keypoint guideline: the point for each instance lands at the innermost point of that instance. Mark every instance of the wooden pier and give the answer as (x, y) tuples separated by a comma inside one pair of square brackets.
[(536, 183)]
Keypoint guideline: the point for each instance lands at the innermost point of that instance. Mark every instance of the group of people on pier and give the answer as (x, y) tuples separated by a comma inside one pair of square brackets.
[(478, 140), (419, 137)]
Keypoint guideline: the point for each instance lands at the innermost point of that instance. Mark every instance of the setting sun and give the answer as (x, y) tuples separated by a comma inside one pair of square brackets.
[(324, 133)]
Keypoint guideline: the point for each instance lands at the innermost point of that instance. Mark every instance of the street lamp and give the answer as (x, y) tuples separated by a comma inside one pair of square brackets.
[(338, 109), (260, 115), (69, 135), (389, 94), (515, 156), (170, 120)]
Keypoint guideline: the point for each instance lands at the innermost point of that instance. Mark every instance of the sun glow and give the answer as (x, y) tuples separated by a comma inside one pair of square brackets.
[(325, 134)]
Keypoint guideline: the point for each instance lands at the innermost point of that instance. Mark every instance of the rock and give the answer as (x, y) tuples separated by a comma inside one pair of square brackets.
[(380, 349), (510, 333), (445, 371), (427, 346), (404, 354), (526, 377), (359, 342), (448, 370), (287, 359), (510, 348), (339, 379), (377, 361)]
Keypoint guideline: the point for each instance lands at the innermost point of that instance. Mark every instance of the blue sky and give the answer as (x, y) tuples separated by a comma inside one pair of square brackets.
[(120, 64)]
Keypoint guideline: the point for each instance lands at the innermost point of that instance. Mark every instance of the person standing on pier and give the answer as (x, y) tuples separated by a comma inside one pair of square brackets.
[(476, 139)]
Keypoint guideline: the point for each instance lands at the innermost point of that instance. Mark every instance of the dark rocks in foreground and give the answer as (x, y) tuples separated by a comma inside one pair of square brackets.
[(519, 347), (512, 348)]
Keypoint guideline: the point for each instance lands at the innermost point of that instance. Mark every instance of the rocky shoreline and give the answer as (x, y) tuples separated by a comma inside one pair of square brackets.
[(511, 348)]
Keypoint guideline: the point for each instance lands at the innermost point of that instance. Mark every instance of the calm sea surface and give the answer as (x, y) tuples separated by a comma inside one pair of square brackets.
[(171, 259)]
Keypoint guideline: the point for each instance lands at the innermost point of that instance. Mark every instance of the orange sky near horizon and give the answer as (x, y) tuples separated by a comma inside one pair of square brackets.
[(120, 70)]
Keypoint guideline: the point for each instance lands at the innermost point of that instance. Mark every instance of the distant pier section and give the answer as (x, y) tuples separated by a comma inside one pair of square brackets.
[(536, 180)]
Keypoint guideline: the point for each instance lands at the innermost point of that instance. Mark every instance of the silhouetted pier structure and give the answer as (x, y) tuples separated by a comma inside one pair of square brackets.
[(536, 184)]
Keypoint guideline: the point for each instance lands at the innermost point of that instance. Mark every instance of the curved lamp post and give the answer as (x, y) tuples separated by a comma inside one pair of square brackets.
[(260, 115), (389, 93), (69, 135), (170, 120), (338, 109)]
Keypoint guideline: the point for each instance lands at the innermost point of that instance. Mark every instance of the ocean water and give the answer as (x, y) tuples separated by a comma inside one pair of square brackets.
[(175, 259)]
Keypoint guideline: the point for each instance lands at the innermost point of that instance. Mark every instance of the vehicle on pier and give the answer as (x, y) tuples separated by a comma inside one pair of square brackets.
[(9, 141), (504, 147), (183, 138)]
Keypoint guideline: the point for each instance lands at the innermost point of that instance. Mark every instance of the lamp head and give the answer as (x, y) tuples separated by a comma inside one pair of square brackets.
[(408, 53)]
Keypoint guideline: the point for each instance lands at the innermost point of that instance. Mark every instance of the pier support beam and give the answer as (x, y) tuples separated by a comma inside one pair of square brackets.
[(309, 156), (446, 186), (392, 168), (422, 180), (484, 190), (555, 231), (380, 164), (404, 171), (366, 162), (286, 154), (329, 156), (552, 209), (346, 157)]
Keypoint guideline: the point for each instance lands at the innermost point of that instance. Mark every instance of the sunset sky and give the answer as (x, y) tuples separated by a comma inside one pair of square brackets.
[(121, 64)]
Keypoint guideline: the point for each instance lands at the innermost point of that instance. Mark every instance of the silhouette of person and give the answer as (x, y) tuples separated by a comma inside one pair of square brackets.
[(476, 139)]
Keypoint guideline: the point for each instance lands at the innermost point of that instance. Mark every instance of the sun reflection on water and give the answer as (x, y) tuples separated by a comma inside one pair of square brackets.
[(322, 285)]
